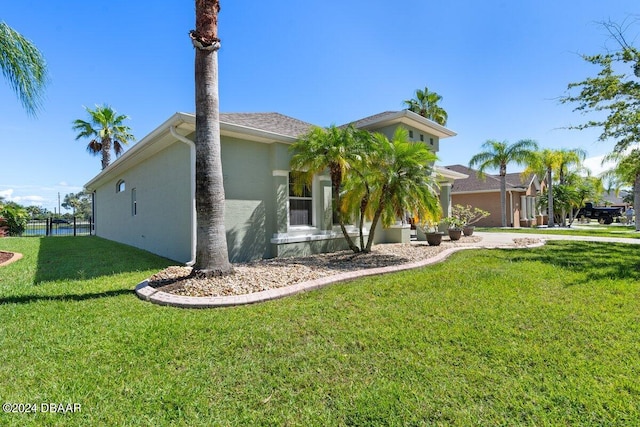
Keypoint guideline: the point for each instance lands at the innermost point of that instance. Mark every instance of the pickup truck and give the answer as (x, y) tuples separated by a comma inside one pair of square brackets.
[(604, 215)]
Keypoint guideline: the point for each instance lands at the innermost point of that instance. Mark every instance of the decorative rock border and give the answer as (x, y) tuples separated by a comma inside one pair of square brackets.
[(16, 256), (148, 293)]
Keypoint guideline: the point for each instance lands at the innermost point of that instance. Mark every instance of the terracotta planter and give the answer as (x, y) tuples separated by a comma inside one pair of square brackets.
[(468, 230), (434, 239), (455, 234)]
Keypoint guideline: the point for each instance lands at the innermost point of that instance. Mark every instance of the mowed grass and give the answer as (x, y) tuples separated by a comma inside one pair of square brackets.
[(545, 336), (591, 229)]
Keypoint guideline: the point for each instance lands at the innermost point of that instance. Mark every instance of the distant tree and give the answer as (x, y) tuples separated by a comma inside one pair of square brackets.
[(627, 172), (545, 162), (79, 203), (568, 159), (24, 67), (106, 131), (38, 212), (548, 162), (425, 103), (613, 92), (497, 155)]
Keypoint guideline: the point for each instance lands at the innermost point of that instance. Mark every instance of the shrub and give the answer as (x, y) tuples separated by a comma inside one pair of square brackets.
[(14, 218)]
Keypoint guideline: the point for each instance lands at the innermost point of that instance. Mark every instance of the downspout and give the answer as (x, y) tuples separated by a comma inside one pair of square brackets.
[(192, 172)]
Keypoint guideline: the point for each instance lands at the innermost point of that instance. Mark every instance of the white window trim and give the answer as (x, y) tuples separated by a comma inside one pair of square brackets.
[(314, 200)]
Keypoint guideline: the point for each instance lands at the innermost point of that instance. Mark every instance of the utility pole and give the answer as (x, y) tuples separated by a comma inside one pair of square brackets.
[(59, 211)]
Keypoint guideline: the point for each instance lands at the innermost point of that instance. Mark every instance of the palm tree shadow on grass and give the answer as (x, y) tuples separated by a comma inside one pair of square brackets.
[(598, 260), (85, 258)]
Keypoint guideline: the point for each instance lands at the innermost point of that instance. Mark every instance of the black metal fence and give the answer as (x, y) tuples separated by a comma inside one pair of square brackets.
[(58, 227)]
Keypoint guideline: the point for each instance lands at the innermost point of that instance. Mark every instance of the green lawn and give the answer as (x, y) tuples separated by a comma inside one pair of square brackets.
[(592, 229), (545, 336)]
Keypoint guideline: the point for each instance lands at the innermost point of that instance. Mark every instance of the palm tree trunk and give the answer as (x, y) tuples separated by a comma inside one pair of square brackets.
[(503, 199), (550, 222), (106, 152), (372, 232), (212, 257), (336, 179), (376, 219)]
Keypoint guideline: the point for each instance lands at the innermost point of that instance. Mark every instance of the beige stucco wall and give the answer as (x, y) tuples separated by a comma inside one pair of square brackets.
[(491, 202)]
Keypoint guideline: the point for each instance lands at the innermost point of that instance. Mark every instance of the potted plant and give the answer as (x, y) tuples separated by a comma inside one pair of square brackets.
[(469, 216), (454, 227), (429, 229)]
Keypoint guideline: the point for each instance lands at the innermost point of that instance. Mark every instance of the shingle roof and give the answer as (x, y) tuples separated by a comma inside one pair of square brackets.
[(371, 119), (270, 122), (489, 183)]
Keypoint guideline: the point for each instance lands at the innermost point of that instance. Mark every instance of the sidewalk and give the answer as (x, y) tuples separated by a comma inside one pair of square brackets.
[(494, 240)]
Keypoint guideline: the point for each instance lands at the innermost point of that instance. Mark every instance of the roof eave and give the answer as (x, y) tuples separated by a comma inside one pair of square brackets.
[(410, 118)]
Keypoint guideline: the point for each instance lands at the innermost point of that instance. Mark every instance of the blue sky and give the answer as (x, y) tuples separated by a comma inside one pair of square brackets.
[(499, 65)]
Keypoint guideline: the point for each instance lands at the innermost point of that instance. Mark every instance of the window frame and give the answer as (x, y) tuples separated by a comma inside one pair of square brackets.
[(310, 198)]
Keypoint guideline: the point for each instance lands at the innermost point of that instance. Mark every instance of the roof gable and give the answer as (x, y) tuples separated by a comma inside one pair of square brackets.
[(406, 117)]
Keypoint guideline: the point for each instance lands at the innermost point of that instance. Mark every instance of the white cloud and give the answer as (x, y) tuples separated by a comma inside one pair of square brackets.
[(29, 200), (6, 193), (595, 164)]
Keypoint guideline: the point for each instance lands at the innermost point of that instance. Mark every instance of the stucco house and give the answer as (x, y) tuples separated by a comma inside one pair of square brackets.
[(484, 193), (146, 197)]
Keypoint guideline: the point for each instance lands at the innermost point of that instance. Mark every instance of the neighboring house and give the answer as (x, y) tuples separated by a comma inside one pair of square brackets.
[(146, 197), (484, 193), (610, 198)]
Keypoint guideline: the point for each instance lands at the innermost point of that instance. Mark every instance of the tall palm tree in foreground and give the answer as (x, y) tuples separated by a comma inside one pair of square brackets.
[(212, 256), (106, 131), (425, 104), (497, 155), (23, 66)]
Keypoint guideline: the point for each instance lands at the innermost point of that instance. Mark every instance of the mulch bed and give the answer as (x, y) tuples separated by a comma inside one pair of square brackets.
[(5, 256)]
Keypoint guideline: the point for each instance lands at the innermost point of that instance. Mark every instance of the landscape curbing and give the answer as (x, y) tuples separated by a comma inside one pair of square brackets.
[(150, 294), (16, 256)]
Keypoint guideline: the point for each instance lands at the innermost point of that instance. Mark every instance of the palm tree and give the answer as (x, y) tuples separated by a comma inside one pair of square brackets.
[(24, 67), (545, 162), (405, 181), (425, 104), (567, 158), (335, 149), (627, 172), (212, 256), (497, 155), (106, 130)]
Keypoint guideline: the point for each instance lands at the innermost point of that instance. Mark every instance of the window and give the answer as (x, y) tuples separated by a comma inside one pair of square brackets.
[(422, 137), (431, 141), (120, 186), (410, 134), (134, 203), (300, 205)]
